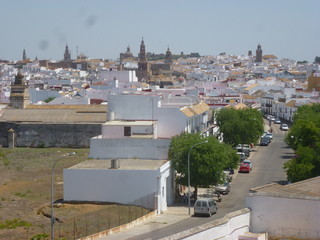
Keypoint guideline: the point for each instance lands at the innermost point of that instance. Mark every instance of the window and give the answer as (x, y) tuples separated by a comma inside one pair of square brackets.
[(127, 131)]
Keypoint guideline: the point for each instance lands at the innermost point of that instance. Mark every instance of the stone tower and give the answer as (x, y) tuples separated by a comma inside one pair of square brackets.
[(168, 58), (258, 54), (142, 72), (67, 55), (24, 55), (19, 96)]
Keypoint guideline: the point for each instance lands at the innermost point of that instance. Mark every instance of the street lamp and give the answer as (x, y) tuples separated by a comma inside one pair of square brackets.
[(52, 191), (189, 171)]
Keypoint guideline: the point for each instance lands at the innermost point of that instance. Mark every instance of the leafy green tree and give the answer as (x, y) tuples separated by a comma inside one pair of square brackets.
[(207, 160), (304, 138), (240, 126)]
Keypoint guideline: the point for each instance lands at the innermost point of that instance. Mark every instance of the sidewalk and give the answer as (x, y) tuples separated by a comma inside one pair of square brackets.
[(172, 215)]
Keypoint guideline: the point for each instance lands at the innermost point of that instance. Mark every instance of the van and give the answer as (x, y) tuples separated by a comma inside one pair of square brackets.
[(205, 206)]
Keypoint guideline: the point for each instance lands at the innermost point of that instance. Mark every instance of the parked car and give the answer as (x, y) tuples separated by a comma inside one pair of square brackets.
[(284, 127), (264, 141), (223, 188), (244, 168), (246, 151), (242, 156), (244, 146), (269, 117), (205, 206), (228, 175), (277, 121), (268, 135), (248, 162)]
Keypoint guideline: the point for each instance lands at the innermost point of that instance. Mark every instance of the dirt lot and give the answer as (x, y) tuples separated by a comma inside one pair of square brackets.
[(25, 193)]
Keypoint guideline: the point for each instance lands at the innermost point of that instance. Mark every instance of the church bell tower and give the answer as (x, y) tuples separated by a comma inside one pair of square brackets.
[(19, 96), (258, 54), (142, 72)]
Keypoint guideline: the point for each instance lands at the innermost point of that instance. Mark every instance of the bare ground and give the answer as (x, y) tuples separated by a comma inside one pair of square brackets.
[(25, 190)]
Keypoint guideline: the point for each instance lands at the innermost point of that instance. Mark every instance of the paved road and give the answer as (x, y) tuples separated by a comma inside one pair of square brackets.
[(267, 168)]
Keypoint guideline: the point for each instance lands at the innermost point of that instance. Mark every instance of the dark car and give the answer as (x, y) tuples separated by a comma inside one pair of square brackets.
[(264, 141)]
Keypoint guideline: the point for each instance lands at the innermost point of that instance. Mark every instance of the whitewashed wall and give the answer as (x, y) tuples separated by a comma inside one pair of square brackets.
[(171, 121), (129, 148), (120, 186), (118, 131), (108, 185), (227, 228), (122, 76), (132, 107), (278, 214), (166, 189)]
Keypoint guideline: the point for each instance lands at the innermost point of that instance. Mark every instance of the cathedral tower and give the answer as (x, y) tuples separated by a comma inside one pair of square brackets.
[(24, 55), (168, 59), (259, 54), (67, 55), (142, 72)]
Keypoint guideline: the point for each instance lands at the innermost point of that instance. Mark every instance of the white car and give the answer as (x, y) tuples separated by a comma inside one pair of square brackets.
[(284, 127), (277, 121)]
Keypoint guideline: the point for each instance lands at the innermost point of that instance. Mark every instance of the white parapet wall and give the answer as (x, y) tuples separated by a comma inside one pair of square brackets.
[(129, 148), (285, 216), (230, 227)]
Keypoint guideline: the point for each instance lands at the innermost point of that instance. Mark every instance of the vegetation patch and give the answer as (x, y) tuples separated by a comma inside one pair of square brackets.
[(14, 223)]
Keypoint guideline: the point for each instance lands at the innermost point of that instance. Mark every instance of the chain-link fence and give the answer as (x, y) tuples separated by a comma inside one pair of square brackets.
[(112, 215)]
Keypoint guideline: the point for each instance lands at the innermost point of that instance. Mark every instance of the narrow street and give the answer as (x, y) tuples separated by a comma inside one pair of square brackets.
[(267, 168)]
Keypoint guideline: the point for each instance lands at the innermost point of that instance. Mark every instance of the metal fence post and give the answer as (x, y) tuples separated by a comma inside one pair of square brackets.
[(108, 220), (74, 229), (119, 215), (86, 224), (129, 214), (98, 222), (59, 230)]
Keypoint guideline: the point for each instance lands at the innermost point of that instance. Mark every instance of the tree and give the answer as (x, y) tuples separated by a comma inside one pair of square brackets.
[(49, 99), (317, 60), (304, 138), (207, 160), (240, 126)]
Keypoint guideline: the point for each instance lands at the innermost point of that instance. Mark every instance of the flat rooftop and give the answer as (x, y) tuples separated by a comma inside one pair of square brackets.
[(124, 164), (129, 123), (307, 189)]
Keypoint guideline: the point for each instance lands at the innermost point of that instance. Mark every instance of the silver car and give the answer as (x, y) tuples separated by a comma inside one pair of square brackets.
[(223, 188), (205, 206)]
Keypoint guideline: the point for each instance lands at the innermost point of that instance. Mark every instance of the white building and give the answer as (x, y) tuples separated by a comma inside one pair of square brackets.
[(125, 76), (137, 135), (286, 211)]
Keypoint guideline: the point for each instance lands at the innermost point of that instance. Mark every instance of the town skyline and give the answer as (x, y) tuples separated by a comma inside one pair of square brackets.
[(104, 29)]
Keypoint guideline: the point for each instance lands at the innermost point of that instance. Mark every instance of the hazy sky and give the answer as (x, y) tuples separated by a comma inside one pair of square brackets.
[(104, 28)]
